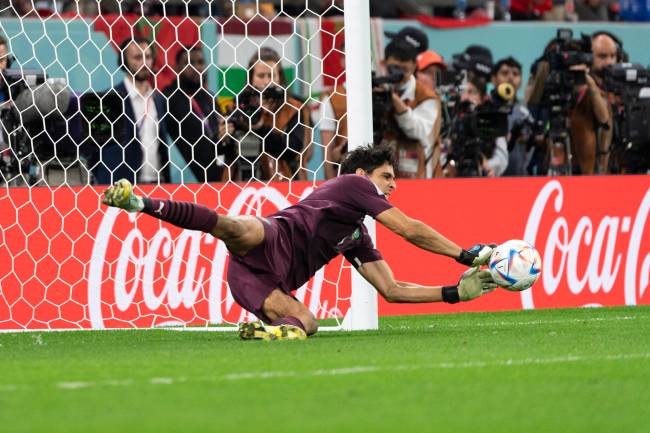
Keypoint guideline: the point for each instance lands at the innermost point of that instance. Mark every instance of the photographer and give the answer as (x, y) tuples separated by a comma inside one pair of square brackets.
[(591, 120), (520, 122), (494, 149), (283, 122), (565, 91), (410, 114), (193, 122)]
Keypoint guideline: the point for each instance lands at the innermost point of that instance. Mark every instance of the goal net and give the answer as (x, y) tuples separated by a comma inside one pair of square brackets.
[(220, 109)]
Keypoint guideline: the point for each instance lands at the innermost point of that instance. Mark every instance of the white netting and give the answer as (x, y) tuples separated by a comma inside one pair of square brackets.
[(82, 108)]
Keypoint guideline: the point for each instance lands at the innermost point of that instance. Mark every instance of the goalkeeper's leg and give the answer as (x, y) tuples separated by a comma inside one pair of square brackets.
[(286, 317), (240, 233)]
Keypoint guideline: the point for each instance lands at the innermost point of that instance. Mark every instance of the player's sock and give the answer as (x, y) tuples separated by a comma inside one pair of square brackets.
[(182, 214), (289, 320)]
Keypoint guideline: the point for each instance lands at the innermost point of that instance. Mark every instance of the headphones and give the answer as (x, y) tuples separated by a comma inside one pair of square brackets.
[(138, 40), (621, 55)]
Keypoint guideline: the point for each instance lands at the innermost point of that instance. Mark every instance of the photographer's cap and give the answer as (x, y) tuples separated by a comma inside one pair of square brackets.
[(428, 58), (413, 36), (481, 59)]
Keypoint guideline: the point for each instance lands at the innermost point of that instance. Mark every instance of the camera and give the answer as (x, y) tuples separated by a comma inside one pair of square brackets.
[(382, 100), (630, 85), (36, 127), (559, 96), (473, 132), (247, 110), (242, 154), (564, 54)]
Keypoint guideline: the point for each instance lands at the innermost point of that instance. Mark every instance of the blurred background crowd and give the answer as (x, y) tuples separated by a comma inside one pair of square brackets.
[(553, 10), (584, 108)]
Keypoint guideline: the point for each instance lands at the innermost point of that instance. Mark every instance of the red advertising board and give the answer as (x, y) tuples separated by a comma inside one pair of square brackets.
[(68, 262)]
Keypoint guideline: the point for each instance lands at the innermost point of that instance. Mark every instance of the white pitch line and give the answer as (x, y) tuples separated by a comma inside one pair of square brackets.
[(74, 385), (337, 328), (343, 371), (521, 323)]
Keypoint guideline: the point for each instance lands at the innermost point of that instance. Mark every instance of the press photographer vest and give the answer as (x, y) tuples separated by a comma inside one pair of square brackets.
[(283, 116), (408, 155), (280, 121)]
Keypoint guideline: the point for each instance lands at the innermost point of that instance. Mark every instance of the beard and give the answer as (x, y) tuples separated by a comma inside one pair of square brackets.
[(142, 75)]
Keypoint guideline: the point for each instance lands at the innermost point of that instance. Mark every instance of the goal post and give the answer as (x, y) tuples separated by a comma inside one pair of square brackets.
[(70, 263), (363, 313)]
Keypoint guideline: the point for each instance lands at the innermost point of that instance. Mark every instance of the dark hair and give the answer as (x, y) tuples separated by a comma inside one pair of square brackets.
[(186, 51), (479, 82), (401, 50), (508, 61), (138, 40), (266, 55), (3, 41), (368, 158)]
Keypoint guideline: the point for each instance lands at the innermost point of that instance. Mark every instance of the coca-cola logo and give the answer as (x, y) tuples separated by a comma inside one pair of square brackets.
[(193, 278), (613, 245)]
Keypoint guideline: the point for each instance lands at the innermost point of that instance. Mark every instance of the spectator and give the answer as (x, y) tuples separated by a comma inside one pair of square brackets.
[(525, 10), (193, 122), (592, 10), (394, 8), (520, 121), (143, 153)]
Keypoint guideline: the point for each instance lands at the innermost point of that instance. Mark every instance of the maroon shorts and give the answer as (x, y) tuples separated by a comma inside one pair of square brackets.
[(253, 277)]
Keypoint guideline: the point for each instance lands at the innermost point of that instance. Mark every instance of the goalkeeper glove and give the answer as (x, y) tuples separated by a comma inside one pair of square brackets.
[(478, 255), (473, 283), (121, 195)]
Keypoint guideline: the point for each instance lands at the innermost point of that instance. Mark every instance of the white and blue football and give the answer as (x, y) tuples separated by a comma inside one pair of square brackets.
[(515, 265)]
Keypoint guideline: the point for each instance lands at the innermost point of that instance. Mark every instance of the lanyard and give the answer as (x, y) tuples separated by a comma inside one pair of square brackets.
[(202, 116)]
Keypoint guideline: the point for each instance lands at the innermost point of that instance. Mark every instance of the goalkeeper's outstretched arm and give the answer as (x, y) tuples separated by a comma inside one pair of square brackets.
[(472, 284), (425, 237)]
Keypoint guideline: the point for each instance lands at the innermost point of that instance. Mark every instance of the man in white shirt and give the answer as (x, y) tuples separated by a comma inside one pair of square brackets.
[(141, 153), (414, 114)]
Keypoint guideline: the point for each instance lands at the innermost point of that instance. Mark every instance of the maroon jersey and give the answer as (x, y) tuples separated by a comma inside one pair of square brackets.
[(302, 238)]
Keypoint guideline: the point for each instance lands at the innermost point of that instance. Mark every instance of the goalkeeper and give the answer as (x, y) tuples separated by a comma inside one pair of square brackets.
[(273, 256)]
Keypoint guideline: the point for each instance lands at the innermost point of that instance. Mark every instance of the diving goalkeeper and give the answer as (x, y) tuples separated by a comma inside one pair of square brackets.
[(273, 256)]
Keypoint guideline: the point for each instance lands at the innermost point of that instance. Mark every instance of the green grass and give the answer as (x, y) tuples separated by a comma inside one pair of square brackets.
[(584, 370)]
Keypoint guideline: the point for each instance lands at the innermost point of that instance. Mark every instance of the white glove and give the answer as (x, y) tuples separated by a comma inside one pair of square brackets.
[(474, 283), (121, 195)]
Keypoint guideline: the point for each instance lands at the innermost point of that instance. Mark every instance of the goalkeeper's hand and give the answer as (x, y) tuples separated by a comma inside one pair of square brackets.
[(477, 255), (121, 195), (474, 283)]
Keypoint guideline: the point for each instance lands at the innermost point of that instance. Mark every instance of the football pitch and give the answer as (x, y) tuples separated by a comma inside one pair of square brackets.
[(578, 370)]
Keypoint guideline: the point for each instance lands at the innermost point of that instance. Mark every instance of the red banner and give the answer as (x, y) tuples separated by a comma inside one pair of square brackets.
[(69, 262), (591, 233)]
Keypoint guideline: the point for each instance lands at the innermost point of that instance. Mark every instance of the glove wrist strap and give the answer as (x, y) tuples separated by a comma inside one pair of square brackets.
[(450, 294), (465, 258)]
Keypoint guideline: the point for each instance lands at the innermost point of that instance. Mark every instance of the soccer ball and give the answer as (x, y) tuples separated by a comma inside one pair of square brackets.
[(515, 265)]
